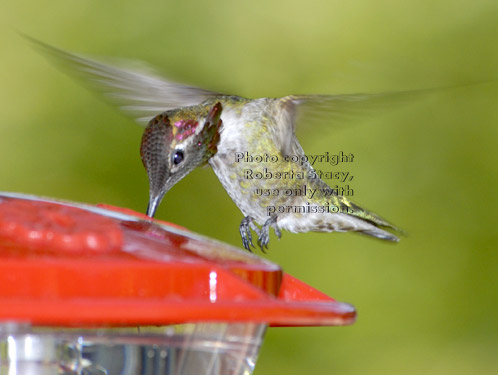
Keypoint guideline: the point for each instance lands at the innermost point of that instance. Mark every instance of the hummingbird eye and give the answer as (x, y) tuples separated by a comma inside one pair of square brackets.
[(177, 157)]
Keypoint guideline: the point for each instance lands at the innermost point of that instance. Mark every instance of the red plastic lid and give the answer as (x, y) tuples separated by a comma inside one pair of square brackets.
[(67, 264)]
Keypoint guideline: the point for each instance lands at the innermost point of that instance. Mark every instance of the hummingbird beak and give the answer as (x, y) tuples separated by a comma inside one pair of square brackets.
[(152, 206), (155, 200)]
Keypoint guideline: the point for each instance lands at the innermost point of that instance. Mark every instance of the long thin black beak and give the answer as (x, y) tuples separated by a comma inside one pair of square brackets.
[(153, 204)]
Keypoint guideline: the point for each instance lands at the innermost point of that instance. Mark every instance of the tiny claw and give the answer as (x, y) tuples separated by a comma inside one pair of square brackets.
[(263, 244), (264, 234), (245, 233), (247, 240)]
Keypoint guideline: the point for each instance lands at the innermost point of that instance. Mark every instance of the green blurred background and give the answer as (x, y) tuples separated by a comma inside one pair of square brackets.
[(428, 305)]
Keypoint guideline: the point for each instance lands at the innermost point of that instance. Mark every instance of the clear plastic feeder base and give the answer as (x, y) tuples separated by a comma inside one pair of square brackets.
[(187, 349)]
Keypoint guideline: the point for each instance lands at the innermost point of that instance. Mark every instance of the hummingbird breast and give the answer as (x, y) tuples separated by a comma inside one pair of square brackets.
[(250, 159)]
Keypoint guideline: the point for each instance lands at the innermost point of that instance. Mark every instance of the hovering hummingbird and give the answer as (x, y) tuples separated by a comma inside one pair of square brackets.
[(188, 127)]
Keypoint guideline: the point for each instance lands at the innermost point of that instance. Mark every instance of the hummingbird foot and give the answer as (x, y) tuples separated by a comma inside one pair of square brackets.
[(245, 232), (264, 234)]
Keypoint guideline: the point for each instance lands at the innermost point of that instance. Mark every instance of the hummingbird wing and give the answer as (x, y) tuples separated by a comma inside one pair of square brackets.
[(337, 110), (297, 113), (140, 94)]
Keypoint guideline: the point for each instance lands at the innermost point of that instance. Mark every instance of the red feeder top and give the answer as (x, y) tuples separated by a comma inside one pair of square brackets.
[(67, 264)]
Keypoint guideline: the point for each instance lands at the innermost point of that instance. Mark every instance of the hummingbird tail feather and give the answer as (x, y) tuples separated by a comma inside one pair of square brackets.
[(372, 225), (378, 223), (381, 234), (336, 222), (375, 224)]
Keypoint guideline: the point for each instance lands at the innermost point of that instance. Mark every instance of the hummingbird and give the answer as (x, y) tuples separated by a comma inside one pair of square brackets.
[(188, 127)]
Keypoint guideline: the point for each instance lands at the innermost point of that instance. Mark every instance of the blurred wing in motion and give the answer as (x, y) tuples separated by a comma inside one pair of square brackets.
[(143, 94), (140, 95), (338, 110)]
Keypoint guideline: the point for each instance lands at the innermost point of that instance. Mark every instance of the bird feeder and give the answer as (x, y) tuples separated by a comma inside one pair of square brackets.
[(96, 290)]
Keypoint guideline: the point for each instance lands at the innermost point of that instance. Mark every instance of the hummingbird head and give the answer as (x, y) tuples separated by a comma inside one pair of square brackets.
[(174, 143)]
